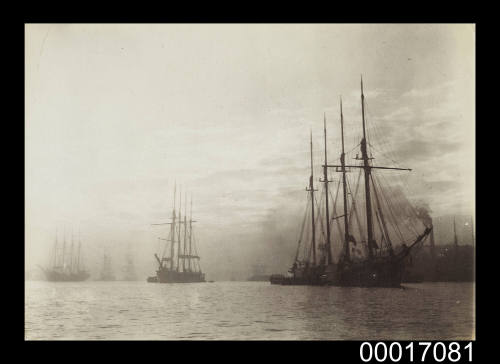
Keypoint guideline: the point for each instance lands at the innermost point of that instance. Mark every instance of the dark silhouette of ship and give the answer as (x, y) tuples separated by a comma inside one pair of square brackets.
[(67, 264), (371, 259), (179, 261)]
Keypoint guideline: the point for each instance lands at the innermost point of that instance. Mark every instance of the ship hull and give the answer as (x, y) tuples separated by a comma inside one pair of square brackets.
[(296, 281), (169, 276), (386, 272), (302, 277), (383, 272), (54, 276)]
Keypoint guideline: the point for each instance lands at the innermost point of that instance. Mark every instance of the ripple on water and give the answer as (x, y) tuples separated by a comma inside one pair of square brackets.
[(246, 310)]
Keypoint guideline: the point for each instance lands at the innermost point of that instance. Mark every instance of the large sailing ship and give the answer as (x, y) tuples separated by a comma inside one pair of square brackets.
[(367, 255), (179, 261), (66, 268)]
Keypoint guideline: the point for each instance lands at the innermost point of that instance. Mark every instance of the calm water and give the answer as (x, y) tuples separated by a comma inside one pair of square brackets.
[(246, 311)]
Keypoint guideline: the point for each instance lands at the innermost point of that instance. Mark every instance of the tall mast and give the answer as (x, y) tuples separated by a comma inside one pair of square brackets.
[(367, 168), (380, 215), (325, 181), (185, 233), (79, 249), (71, 252), (179, 231), (55, 251), (190, 233), (347, 255), (367, 175), (172, 234), (311, 189), (64, 250)]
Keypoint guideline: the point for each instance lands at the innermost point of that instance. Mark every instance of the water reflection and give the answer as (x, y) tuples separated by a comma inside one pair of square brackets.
[(246, 311)]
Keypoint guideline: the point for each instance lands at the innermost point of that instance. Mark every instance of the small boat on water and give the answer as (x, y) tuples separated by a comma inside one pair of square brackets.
[(368, 255)]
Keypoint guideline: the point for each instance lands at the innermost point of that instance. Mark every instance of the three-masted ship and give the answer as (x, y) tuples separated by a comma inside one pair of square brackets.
[(179, 261), (67, 264), (372, 259)]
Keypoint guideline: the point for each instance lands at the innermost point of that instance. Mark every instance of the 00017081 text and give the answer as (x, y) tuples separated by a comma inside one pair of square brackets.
[(380, 352)]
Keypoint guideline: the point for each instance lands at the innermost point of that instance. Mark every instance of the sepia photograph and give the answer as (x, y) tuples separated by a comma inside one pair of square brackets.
[(249, 182)]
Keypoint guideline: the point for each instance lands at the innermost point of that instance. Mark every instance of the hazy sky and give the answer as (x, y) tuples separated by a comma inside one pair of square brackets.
[(116, 113)]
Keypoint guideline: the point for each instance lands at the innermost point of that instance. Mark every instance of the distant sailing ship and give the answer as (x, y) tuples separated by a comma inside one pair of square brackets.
[(182, 265), (372, 260), (107, 271), (64, 268)]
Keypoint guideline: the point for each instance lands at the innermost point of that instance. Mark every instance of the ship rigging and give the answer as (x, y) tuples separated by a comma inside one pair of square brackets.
[(365, 256), (64, 268), (182, 264)]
